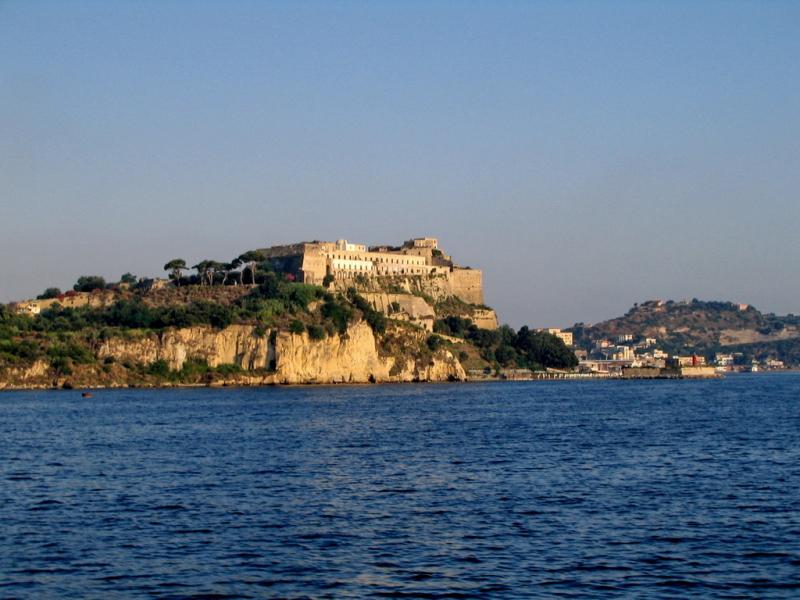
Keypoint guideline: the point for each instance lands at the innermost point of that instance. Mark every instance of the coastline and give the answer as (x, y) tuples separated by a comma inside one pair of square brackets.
[(244, 384)]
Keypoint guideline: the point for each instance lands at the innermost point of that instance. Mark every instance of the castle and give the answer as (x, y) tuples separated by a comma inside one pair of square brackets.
[(341, 261)]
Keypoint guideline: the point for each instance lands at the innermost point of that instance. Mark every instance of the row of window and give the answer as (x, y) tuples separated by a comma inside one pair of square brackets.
[(397, 261), (384, 270)]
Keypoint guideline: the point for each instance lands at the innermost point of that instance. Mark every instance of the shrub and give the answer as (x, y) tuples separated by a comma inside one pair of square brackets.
[(51, 292), (13, 351), (434, 342), (337, 313), (193, 368), (453, 325), (228, 369), (296, 326), (506, 355), (315, 332), (300, 294), (483, 338), (89, 283), (72, 351), (375, 319), (61, 364), (159, 368)]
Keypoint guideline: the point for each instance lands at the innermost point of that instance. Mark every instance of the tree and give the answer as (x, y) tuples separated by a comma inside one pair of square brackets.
[(230, 268), (506, 355), (88, 283), (128, 278), (434, 342), (543, 348), (51, 292), (215, 267), (203, 268), (175, 266), (250, 258)]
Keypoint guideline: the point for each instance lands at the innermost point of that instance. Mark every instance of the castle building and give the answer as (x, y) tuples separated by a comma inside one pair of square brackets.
[(312, 262)]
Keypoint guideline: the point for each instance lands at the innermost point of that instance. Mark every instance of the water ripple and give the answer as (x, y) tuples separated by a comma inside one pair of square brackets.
[(563, 489)]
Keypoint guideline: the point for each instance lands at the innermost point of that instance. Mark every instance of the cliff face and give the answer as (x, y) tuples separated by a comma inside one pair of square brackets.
[(465, 284), (33, 376), (279, 358), (412, 308), (236, 344), (354, 358), (351, 358)]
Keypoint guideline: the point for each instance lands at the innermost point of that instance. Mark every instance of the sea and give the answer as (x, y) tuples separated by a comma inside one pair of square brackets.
[(547, 489)]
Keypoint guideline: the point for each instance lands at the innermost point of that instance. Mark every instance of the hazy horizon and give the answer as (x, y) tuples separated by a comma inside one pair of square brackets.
[(585, 156)]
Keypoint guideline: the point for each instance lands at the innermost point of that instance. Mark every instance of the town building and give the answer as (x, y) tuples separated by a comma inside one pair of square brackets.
[(724, 360), (564, 336), (623, 353), (688, 361)]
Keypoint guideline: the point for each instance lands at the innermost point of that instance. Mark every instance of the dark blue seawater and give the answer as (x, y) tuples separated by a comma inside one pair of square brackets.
[(665, 489)]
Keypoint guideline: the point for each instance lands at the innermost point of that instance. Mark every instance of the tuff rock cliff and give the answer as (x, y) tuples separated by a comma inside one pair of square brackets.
[(283, 357), (269, 357)]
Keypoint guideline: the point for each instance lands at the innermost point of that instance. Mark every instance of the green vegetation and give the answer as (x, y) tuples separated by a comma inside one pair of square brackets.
[(315, 332), (434, 342), (374, 318), (194, 370), (175, 267), (337, 313), (525, 348), (251, 258), (68, 336), (68, 339), (89, 283)]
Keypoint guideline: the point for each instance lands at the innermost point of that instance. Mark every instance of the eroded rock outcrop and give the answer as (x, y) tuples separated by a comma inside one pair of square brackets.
[(236, 344), (408, 308), (33, 376), (288, 358)]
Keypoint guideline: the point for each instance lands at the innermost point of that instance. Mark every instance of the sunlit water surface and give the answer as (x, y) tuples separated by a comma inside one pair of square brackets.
[(544, 489)]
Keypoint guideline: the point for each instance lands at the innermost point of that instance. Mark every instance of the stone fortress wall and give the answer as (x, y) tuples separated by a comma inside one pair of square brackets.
[(418, 261)]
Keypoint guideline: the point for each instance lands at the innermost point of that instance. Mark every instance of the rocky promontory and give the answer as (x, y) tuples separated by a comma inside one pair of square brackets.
[(259, 325)]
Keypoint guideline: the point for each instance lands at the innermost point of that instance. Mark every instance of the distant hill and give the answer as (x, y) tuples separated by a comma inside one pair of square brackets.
[(701, 327)]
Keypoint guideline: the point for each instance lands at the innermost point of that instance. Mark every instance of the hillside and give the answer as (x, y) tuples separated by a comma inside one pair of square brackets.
[(216, 329), (700, 327)]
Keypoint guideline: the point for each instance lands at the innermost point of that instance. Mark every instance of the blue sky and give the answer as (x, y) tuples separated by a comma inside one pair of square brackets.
[(586, 155)]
